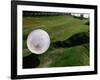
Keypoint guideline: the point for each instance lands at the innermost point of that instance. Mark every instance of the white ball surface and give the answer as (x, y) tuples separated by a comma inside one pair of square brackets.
[(38, 41)]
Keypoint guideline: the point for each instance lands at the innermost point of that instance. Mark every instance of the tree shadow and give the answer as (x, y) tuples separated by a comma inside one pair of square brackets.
[(77, 39), (87, 23), (31, 61)]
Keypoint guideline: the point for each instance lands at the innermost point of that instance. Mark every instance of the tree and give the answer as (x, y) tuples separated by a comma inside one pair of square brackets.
[(81, 17)]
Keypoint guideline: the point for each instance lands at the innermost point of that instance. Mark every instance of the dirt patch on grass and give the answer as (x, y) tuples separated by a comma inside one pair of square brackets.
[(46, 64)]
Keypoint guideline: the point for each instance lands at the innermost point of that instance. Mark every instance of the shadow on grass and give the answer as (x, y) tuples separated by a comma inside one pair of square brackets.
[(31, 61), (77, 39), (87, 23)]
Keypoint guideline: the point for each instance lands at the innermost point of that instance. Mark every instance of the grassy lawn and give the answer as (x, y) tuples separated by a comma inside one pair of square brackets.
[(59, 28)]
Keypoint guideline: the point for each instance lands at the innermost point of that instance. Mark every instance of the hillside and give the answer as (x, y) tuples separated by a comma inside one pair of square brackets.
[(59, 28)]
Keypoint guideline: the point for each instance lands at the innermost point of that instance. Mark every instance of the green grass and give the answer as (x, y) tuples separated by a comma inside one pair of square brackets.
[(58, 28), (71, 57)]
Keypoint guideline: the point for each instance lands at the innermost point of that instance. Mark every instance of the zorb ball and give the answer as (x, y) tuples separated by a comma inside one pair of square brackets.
[(38, 41)]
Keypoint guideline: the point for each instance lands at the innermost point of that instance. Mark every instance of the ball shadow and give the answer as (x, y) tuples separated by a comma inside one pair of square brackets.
[(31, 61)]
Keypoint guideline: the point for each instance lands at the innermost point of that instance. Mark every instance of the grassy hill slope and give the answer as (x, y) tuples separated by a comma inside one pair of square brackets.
[(59, 28)]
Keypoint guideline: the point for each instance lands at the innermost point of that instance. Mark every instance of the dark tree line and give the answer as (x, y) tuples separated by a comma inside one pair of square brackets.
[(35, 13)]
